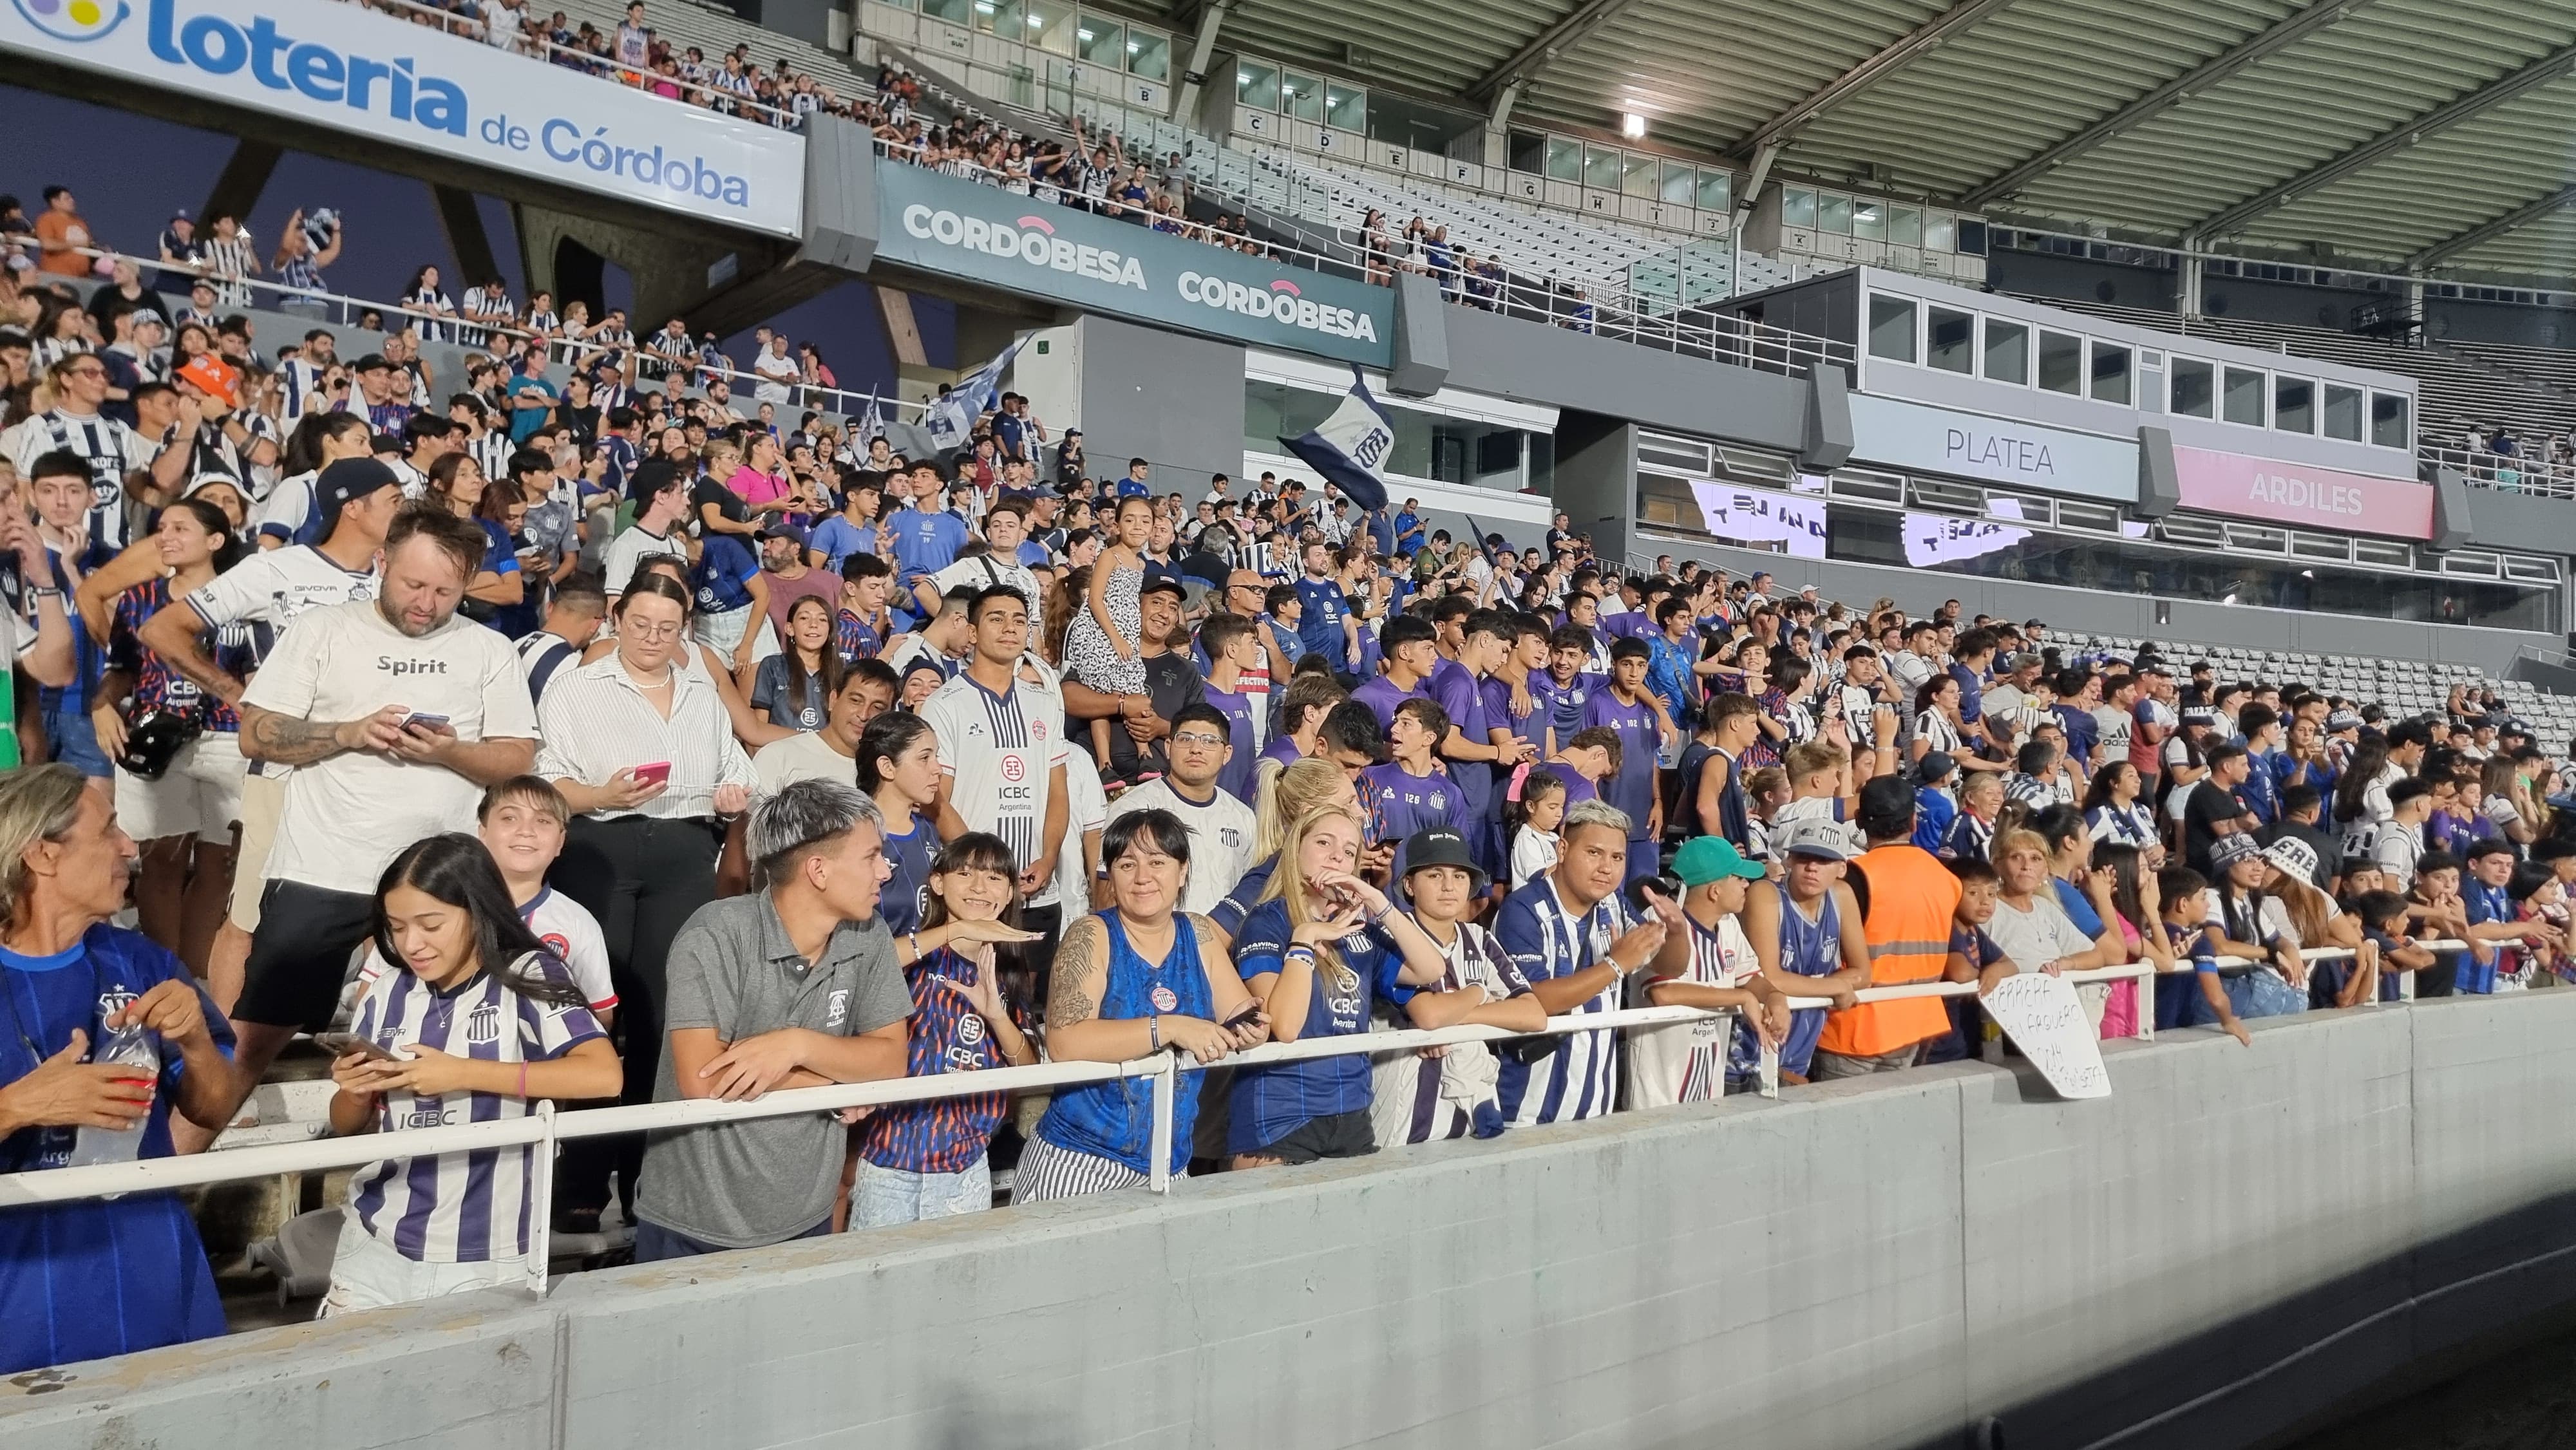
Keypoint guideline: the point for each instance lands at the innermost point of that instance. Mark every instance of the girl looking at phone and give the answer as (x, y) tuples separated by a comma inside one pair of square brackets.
[(487, 1021), (927, 1159)]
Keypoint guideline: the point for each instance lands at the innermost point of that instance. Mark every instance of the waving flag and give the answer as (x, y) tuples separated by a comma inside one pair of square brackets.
[(951, 418), (1350, 448), (872, 423)]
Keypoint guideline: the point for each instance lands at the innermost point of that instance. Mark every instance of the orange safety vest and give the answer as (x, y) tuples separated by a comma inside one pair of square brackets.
[(1912, 898)]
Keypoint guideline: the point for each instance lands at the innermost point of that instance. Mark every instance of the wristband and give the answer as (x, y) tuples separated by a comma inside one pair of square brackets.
[(1154, 1028)]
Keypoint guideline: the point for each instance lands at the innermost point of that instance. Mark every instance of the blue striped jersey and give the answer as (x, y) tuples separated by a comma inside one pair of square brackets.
[(1546, 940), (1686, 1062), (945, 1034), (997, 751), (459, 1208), (1421, 1099), (906, 894)]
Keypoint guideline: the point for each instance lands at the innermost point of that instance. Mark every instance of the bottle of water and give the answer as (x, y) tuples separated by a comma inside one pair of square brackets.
[(131, 1047)]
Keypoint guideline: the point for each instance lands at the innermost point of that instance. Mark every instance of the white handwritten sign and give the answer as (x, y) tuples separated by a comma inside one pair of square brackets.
[(2048, 1024)]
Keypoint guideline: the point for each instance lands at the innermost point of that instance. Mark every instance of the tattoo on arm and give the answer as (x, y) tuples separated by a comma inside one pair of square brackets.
[(287, 740), (1073, 996)]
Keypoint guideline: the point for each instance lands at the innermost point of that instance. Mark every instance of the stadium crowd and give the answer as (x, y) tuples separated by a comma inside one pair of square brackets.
[(530, 746)]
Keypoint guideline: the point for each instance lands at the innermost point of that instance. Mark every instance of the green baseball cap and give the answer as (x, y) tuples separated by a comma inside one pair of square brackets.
[(1712, 858)]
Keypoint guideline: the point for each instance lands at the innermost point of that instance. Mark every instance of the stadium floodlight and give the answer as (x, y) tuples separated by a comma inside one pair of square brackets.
[(1632, 125)]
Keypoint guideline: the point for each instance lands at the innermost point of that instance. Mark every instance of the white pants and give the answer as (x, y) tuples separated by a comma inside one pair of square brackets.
[(199, 795), (367, 1273)]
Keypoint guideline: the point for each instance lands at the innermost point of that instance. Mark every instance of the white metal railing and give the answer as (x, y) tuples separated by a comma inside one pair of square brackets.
[(2505, 475), (546, 1128), (587, 63)]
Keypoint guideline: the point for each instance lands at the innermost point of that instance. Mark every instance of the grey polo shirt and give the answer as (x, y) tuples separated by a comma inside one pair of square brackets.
[(733, 969)]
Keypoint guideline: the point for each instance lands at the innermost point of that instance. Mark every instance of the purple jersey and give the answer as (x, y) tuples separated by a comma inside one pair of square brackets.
[(1632, 789), (1400, 803), (1461, 697), (1244, 733), (1383, 699)]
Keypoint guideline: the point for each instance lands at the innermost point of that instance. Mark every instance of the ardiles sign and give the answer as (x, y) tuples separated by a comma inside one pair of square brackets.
[(1063, 254), (354, 70)]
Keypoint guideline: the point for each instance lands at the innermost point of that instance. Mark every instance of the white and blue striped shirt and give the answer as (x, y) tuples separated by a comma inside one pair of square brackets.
[(459, 1208), (1548, 940), (999, 753)]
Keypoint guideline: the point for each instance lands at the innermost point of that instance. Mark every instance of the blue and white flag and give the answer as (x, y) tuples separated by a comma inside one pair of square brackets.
[(951, 417), (1350, 448), (872, 423)]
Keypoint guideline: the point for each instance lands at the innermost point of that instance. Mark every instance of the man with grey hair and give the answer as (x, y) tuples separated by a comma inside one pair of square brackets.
[(1575, 941), (793, 986)]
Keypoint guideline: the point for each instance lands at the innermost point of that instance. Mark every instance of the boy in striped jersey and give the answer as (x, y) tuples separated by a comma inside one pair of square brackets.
[(1574, 939), (1425, 1096), (1708, 964)]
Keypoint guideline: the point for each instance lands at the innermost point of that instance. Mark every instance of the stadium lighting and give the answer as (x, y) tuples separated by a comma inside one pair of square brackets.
[(1632, 125)]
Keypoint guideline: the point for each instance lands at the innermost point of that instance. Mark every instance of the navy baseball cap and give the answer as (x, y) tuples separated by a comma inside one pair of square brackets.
[(346, 482)]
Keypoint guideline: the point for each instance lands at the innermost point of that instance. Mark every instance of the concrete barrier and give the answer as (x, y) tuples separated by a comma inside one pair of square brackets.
[(2232, 1242)]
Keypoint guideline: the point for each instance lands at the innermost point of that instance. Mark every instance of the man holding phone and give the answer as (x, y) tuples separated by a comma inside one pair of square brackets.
[(393, 715)]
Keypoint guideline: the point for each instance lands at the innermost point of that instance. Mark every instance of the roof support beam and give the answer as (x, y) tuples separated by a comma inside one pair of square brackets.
[(2487, 231), (2289, 30), (2547, 68), (1922, 40), (1530, 59)]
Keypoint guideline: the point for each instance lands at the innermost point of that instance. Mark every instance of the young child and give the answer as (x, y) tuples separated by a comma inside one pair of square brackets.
[(2383, 924), (2182, 909), (1423, 1097), (2437, 911), (860, 627), (1541, 809), (925, 1160), (1102, 647), (1974, 957), (1691, 1062), (1568, 683)]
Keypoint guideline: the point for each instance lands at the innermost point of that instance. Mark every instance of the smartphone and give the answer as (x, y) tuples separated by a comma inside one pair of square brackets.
[(1250, 1014), (653, 772), (423, 717), (341, 1044)]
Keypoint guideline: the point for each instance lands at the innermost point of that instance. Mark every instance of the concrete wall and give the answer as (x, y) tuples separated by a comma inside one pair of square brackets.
[(1169, 397), (1534, 362), (2101, 611), (1888, 1263)]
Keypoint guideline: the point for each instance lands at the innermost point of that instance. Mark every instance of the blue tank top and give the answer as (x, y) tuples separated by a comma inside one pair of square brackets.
[(1810, 949), (1115, 1120)]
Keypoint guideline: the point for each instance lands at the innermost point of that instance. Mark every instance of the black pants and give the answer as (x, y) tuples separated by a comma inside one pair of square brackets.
[(643, 879)]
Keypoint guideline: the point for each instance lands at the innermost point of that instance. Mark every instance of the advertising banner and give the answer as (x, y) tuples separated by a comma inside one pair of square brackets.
[(1063, 254), (373, 75), (1993, 450), (2328, 499), (1790, 522)]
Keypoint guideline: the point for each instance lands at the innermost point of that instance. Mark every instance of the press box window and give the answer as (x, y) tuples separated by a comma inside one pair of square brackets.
[(2343, 413), (2194, 388), (2244, 398), (2061, 363), (2294, 405), (2007, 352), (1950, 340), (1891, 328), (2111, 365), (2388, 421)]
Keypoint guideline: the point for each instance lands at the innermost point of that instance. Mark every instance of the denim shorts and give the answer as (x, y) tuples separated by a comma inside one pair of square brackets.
[(884, 1197), (73, 740)]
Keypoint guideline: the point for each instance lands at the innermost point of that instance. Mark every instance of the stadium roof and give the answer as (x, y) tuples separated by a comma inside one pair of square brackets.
[(2426, 130)]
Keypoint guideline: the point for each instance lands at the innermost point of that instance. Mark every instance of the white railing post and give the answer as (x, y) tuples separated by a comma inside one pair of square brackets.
[(541, 1201), (1166, 1081), (2146, 1001)]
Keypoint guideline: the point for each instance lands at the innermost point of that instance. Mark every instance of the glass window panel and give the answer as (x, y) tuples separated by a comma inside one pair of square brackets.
[(2061, 363), (2194, 389), (1905, 225), (1149, 55), (1102, 42), (1869, 220), (1950, 340), (1049, 25), (2244, 398), (2007, 352), (1716, 188), (996, 17), (1302, 97), (955, 12), (2111, 373), (2294, 402), (1833, 214), (1601, 168), (1345, 107), (2343, 413), (1256, 85), (1564, 159), (1797, 207), (2388, 421), (1891, 328), (1680, 186), (1637, 174), (1940, 232)]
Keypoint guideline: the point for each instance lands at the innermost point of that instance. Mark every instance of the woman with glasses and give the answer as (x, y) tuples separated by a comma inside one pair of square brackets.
[(644, 752)]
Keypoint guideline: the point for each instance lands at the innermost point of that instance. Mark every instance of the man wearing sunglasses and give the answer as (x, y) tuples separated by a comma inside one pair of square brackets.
[(79, 423)]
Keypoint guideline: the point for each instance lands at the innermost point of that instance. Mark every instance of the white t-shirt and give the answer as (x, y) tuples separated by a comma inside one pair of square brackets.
[(1686, 1061), (805, 755), (633, 547), (348, 815), (998, 752), (276, 586), (2038, 936), (1086, 810), (287, 508), (983, 571), (1222, 836)]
